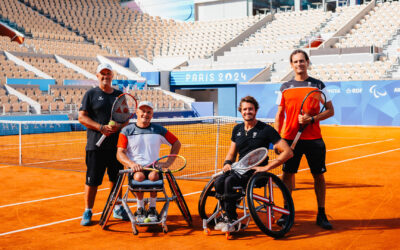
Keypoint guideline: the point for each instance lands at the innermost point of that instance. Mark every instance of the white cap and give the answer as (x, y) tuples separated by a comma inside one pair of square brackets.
[(146, 103), (103, 66)]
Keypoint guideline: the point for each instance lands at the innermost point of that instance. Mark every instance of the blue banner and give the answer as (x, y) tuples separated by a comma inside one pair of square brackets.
[(127, 85), (152, 78), (207, 77), (86, 82), (43, 83), (355, 102)]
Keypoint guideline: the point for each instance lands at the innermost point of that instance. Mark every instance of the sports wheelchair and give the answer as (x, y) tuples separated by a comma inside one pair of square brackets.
[(145, 186), (266, 198)]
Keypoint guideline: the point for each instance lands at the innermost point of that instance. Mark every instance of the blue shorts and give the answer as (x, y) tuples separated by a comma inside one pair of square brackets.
[(315, 152)]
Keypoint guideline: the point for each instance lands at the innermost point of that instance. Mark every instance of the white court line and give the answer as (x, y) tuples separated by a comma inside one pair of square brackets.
[(62, 221), (7, 166), (357, 145), (40, 162), (356, 158), (46, 199)]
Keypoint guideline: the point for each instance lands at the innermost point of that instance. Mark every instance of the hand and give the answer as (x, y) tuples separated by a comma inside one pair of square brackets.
[(135, 167), (260, 169), (162, 165), (304, 119), (227, 167)]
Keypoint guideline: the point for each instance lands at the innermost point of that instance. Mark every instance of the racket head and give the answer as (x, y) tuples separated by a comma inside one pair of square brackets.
[(173, 162), (123, 108), (251, 159), (312, 103)]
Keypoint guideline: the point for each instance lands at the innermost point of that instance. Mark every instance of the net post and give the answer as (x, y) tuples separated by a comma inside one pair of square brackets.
[(20, 143), (216, 147)]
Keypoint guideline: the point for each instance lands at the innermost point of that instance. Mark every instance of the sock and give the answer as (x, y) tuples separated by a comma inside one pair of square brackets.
[(152, 202), (117, 207), (321, 210), (140, 204), (88, 209)]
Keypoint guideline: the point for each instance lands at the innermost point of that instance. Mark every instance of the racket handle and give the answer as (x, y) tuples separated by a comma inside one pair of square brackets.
[(100, 141)]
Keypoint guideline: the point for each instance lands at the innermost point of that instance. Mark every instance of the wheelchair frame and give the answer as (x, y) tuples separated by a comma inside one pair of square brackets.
[(176, 195), (264, 207)]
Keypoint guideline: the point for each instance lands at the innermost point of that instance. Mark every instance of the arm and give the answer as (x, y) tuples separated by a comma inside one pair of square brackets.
[(175, 148), (124, 159), (286, 154), (230, 156), (279, 119)]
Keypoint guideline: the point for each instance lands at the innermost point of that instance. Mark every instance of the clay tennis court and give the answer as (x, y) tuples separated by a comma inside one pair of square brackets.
[(42, 208)]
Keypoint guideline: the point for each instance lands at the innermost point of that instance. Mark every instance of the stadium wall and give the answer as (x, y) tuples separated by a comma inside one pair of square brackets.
[(356, 102)]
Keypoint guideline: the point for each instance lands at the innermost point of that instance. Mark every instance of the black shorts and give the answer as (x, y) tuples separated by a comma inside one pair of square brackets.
[(315, 152), (97, 161)]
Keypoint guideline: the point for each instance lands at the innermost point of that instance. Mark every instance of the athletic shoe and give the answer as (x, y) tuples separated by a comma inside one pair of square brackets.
[(282, 221), (323, 222), (120, 213), (86, 218), (140, 215), (234, 228), (152, 214), (221, 222)]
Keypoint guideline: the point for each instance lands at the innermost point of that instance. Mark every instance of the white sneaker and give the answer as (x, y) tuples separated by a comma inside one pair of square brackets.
[(220, 225)]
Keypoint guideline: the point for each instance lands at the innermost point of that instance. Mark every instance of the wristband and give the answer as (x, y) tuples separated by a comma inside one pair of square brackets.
[(101, 127), (312, 119), (228, 162)]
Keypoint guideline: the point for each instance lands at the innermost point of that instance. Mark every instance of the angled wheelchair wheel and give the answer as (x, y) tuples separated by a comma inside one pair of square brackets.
[(208, 203), (112, 198), (269, 201), (180, 200)]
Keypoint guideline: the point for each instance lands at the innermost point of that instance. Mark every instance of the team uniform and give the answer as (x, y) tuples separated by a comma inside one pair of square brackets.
[(311, 143), (143, 144), (98, 105), (261, 135)]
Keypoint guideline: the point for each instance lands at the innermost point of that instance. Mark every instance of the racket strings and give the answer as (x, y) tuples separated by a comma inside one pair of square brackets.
[(172, 162), (123, 108)]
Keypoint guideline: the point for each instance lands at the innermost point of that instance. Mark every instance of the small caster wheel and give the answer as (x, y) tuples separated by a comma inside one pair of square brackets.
[(165, 229), (228, 236), (207, 231)]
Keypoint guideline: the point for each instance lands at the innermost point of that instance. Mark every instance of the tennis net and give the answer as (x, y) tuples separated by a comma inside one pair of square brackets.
[(61, 144)]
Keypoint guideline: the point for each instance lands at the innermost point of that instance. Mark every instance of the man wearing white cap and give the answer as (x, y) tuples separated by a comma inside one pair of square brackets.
[(138, 145), (94, 114)]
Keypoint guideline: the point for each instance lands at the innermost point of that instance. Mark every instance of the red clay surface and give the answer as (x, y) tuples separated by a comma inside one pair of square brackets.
[(42, 208)]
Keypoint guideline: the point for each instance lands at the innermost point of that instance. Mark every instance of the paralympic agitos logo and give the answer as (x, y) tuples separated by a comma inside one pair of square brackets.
[(373, 90)]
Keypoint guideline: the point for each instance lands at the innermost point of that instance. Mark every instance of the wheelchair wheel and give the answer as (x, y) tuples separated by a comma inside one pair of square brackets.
[(180, 201), (112, 197), (208, 203), (269, 200)]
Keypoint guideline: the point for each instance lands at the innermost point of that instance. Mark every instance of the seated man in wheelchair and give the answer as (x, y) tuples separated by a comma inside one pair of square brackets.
[(139, 145), (247, 136)]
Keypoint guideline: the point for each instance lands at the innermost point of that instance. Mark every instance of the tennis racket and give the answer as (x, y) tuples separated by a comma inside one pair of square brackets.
[(250, 160), (122, 110), (310, 106), (174, 163)]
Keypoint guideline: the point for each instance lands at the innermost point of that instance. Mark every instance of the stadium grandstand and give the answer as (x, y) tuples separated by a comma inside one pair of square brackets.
[(179, 64)]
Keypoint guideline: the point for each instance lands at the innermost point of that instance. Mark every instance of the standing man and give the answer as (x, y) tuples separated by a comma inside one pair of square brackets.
[(246, 137), (139, 145), (95, 114), (310, 143)]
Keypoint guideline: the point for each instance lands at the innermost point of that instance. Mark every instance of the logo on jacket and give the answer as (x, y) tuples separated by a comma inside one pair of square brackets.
[(254, 134), (100, 98)]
